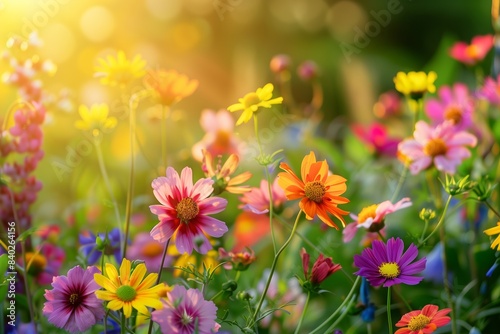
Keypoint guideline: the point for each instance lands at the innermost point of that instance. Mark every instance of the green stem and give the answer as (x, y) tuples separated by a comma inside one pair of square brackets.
[(107, 183), (492, 208), (130, 192), (159, 276), (446, 281), (339, 319), (381, 236), (273, 268), (217, 295), (123, 324), (400, 183), (297, 330), (261, 154), (389, 316), (441, 220), (342, 306)]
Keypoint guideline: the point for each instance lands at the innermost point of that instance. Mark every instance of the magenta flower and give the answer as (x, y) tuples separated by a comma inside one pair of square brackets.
[(186, 312), (388, 104), (372, 217), (387, 265), (72, 304), (184, 209), (473, 53), (147, 249), (377, 138), (443, 145), (219, 136), (490, 91), (257, 199), (455, 105)]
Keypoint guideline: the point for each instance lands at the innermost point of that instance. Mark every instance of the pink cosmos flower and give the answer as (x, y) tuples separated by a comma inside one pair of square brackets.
[(219, 136), (372, 217), (72, 304), (186, 312), (455, 105), (490, 91), (376, 137), (149, 250), (443, 145), (184, 209), (473, 53), (257, 199)]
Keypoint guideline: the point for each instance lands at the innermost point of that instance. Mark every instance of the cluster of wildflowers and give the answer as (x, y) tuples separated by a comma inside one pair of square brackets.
[(219, 248)]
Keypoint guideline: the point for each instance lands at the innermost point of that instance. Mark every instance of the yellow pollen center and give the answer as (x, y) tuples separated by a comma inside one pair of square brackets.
[(472, 51), (152, 249), (126, 293), (74, 299), (389, 269), (368, 212), (435, 147), (453, 114), (315, 191), (250, 99), (187, 209), (419, 322)]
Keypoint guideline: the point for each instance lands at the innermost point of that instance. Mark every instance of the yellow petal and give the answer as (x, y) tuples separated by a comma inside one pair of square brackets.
[(105, 282), (138, 275)]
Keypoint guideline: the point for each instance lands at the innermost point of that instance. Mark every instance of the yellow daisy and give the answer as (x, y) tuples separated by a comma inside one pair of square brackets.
[(415, 84), (95, 119), (251, 102), (118, 70), (129, 288), (492, 231)]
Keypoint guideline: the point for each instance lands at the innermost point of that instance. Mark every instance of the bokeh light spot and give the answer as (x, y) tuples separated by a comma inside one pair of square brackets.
[(97, 23), (59, 42)]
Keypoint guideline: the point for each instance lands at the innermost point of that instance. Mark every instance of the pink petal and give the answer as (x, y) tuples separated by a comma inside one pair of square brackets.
[(420, 164), (212, 205), (349, 232), (164, 230), (212, 226)]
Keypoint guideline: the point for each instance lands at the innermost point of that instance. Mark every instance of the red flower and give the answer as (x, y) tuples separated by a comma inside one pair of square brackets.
[(322, 268), (423, 321)]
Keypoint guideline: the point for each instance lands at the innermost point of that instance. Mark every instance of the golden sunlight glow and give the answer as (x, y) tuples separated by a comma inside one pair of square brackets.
[(97, 23)]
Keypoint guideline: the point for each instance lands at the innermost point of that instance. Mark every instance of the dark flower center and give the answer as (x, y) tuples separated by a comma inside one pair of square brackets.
[(435, 147), (74, 299), (453, 114), (315, 191), (187, 209), (419, 322)]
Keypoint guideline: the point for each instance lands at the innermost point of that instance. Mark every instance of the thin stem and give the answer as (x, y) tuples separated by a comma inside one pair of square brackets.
[(441, 220), (123, 324), (273, 268), (446, 281), (492, 208), (400, 183), (297, 330), (339, 319), (389, 316), (261, 154), (381, 236), (159, 276), (130, 192), (334, 314), (105, 177)]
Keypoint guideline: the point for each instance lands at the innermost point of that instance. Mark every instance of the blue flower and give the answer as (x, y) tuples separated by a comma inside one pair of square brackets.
[(108, 244)]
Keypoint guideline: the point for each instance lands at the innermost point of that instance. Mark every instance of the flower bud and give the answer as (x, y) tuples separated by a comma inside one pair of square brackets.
[(280, 63), (308, 70)]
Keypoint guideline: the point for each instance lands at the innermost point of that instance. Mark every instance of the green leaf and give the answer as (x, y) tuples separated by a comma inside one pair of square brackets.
[(3, 264), (23, 236)]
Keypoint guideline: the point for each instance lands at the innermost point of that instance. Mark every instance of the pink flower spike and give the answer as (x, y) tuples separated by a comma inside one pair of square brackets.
[(470, 54), (443, 146), (183, 211)]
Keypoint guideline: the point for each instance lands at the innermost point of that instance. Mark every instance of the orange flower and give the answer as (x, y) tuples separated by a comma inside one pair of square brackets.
[(170, 87), (320, 192), (426, 320), (222, 175)]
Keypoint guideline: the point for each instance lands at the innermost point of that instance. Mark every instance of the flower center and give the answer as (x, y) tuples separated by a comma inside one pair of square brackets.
[(453, 114), (435, 147), (74, 299), (368, 212), (250, 99), (472, 51), (187, 209), (419, 322), (389, 269), (315, 191), (152, 249), (186, 319), (126, 293)]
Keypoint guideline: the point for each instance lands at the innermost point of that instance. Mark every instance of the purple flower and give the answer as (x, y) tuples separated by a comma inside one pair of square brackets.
[(72, 304), (186, 312), (387, 265), (110, 244)]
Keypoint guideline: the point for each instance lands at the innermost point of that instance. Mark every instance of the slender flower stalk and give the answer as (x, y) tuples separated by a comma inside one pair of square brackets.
[(273, 268), (440, 222), (389, 316), (297, 330)]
